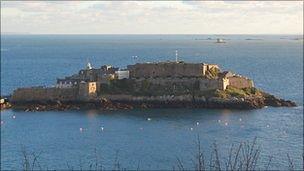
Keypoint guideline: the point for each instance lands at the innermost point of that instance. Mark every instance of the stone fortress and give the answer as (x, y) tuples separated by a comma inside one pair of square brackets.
[(171, 77)]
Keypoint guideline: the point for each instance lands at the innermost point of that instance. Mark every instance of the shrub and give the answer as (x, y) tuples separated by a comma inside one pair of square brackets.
[(235, 92)]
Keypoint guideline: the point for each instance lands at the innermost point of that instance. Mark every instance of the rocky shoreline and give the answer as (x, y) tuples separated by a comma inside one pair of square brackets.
[(153, 102)]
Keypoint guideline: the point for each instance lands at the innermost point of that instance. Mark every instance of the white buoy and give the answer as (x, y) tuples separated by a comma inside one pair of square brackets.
[(80, 129), (197, 123), (14, 117), (2, 122), (226, 123), (149, 119), (191, 129), (101, 128), (240, 119), (267, 126)]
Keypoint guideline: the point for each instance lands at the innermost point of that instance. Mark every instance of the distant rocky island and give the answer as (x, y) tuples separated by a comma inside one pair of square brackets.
[(171, 84)]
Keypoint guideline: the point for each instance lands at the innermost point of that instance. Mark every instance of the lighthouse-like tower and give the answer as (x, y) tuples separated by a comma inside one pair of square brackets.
[(89, 66)]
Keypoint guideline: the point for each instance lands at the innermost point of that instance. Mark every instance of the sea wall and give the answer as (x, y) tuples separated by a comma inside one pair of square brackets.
[(44, 94)]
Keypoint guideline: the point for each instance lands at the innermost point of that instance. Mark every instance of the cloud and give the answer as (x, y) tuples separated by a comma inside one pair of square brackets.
[(152, 17)]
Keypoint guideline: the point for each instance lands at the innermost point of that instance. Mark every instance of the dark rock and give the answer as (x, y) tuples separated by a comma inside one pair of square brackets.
[(271, 100), (252, 102)]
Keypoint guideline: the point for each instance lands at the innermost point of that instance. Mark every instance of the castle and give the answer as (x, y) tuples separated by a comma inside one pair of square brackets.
[(170, 77)]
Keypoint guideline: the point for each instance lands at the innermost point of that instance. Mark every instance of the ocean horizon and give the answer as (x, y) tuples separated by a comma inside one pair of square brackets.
[(151, 138)]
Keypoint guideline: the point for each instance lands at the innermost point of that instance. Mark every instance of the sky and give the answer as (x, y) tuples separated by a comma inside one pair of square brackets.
[(152, 17)]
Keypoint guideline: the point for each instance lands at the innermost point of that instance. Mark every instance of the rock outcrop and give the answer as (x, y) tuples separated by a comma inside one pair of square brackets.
[(130, 102)]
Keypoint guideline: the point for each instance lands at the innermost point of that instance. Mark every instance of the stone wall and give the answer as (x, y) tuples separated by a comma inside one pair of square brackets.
[(84, 91), (240, 82), (210, 84), (168, 69), (163, 98), (184, 84), (44, 94), (171, 81), (166, 85)]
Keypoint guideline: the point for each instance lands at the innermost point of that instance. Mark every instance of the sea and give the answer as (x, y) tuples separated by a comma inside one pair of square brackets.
[(150, 139)]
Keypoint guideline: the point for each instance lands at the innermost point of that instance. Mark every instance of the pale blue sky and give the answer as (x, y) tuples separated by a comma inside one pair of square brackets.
[(159, 17)]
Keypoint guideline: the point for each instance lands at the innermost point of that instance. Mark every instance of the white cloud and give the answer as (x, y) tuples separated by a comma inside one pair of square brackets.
[(159, 17)]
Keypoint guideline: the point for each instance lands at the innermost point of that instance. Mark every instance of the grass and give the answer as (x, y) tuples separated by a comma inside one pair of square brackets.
[(244, 156), (236, 92)]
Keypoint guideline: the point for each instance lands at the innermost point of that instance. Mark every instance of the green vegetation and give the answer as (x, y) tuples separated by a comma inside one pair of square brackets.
[(236, 92)]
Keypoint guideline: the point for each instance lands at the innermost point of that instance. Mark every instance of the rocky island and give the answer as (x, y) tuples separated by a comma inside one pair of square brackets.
[(172, 84)]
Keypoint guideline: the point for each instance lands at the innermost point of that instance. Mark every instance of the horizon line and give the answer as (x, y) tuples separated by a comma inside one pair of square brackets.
[(220, 34)]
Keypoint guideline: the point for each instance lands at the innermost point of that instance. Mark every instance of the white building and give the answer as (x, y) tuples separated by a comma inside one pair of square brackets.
[(65, 84)]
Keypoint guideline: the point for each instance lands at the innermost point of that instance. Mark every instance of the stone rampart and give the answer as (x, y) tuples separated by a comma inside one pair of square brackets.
[(44, 94), (168, 69), (240, 82), (210, 84), (170, 81)]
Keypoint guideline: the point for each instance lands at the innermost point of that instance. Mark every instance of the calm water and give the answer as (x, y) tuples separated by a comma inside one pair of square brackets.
[(274, 62)]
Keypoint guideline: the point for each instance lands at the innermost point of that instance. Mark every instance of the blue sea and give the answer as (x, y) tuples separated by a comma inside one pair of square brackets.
[(150, 139)]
